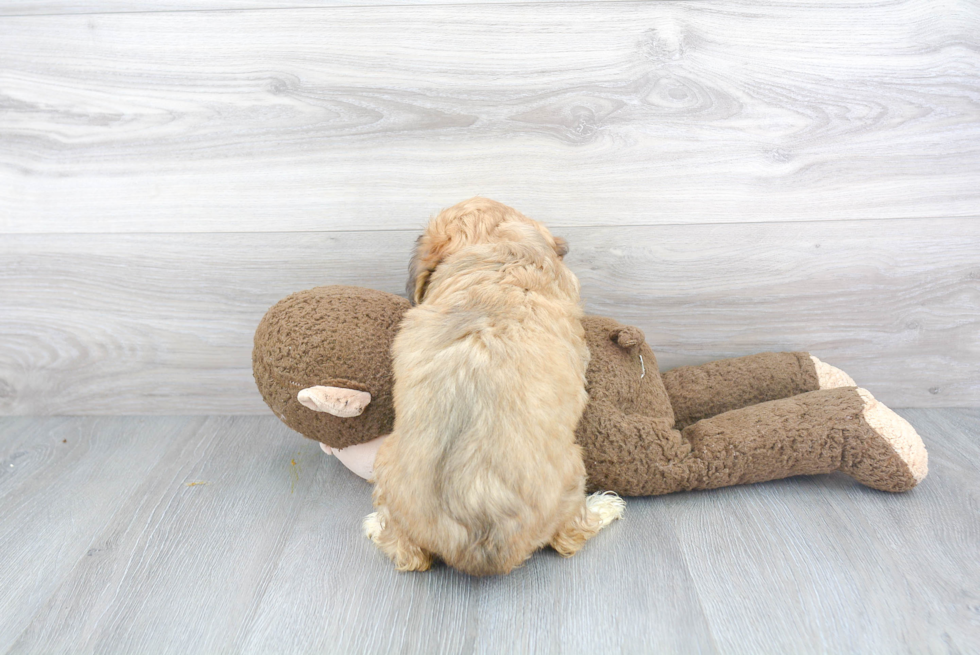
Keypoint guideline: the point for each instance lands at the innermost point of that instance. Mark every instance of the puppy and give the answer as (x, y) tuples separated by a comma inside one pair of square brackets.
[(481, 468)]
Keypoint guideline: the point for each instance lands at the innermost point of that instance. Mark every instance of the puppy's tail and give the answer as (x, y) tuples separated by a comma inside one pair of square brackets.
[(488, 538), (488, 552)]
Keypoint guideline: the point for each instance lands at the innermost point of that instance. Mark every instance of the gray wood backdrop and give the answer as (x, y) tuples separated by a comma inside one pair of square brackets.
[(733, 176)]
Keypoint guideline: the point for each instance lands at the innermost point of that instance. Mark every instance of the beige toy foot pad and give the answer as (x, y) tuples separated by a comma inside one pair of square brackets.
[(831, 377), (899, 434)]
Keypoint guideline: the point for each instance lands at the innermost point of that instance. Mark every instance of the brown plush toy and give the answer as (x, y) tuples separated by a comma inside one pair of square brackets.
[(322, 363)]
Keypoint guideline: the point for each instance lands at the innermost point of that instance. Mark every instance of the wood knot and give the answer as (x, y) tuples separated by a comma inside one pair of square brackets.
[(665, 42)]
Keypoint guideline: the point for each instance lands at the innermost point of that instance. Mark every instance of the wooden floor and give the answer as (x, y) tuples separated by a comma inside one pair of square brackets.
[(233, 534)]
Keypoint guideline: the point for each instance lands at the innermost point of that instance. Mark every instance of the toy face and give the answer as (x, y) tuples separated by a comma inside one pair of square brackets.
[(336, 337)]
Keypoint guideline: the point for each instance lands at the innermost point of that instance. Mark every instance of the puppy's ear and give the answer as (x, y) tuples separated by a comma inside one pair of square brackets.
[(428, 254), (417, 286), (414, 273), (561, 247)]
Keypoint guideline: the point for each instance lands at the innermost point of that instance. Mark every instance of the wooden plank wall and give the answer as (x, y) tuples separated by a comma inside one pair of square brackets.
[(733, 176)]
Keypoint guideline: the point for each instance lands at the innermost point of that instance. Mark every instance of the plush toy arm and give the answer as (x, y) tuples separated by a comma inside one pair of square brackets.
[(827, 430), (635, 455), (338, 401), (698, 392)]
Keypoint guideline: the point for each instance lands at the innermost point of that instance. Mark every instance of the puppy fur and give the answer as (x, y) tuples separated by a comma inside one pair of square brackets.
[(482, 467)]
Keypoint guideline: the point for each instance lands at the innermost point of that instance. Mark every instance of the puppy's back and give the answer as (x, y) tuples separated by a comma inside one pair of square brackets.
[(489, 385)]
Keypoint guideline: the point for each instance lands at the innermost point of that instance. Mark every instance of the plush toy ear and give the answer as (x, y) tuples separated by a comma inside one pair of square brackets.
[(627, 337), (338, 401)]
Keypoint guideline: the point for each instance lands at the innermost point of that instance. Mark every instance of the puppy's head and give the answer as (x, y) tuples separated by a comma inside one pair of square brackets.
[(471, 222)]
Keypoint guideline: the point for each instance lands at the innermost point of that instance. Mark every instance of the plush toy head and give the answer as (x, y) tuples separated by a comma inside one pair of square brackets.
[(332, 336), (340, 337)]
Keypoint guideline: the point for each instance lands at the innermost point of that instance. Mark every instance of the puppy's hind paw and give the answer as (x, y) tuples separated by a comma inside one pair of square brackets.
[(606, 507), (373, 526)]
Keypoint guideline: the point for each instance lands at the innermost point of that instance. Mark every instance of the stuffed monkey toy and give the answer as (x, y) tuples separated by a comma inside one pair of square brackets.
[(322, 363)]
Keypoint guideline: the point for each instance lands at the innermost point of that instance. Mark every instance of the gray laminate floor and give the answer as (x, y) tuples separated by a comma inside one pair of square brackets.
[(232, 534)]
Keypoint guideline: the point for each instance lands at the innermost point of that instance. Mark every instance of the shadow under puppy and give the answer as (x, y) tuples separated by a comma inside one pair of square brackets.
[(481, 468)]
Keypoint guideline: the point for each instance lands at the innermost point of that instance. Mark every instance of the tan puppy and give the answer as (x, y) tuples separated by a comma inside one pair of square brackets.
[(482, 467)]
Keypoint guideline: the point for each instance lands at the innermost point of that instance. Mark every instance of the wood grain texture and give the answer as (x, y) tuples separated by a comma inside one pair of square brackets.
[(62, 482), (893, 303), (205, 552), (829, 566), (268, 557), (581, 114), (946, 583), (56, 7), (628, 587), (158, 324)]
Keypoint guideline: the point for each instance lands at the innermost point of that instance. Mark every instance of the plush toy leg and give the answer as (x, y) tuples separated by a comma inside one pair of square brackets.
[(822, 431), (698, 392)]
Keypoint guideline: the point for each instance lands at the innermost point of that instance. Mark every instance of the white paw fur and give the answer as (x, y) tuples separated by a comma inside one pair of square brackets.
[(372, 526), (607, 506)]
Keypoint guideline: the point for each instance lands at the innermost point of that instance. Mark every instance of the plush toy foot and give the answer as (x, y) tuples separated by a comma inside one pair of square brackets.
[(831, 377), (338, 401), (891, 456)]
